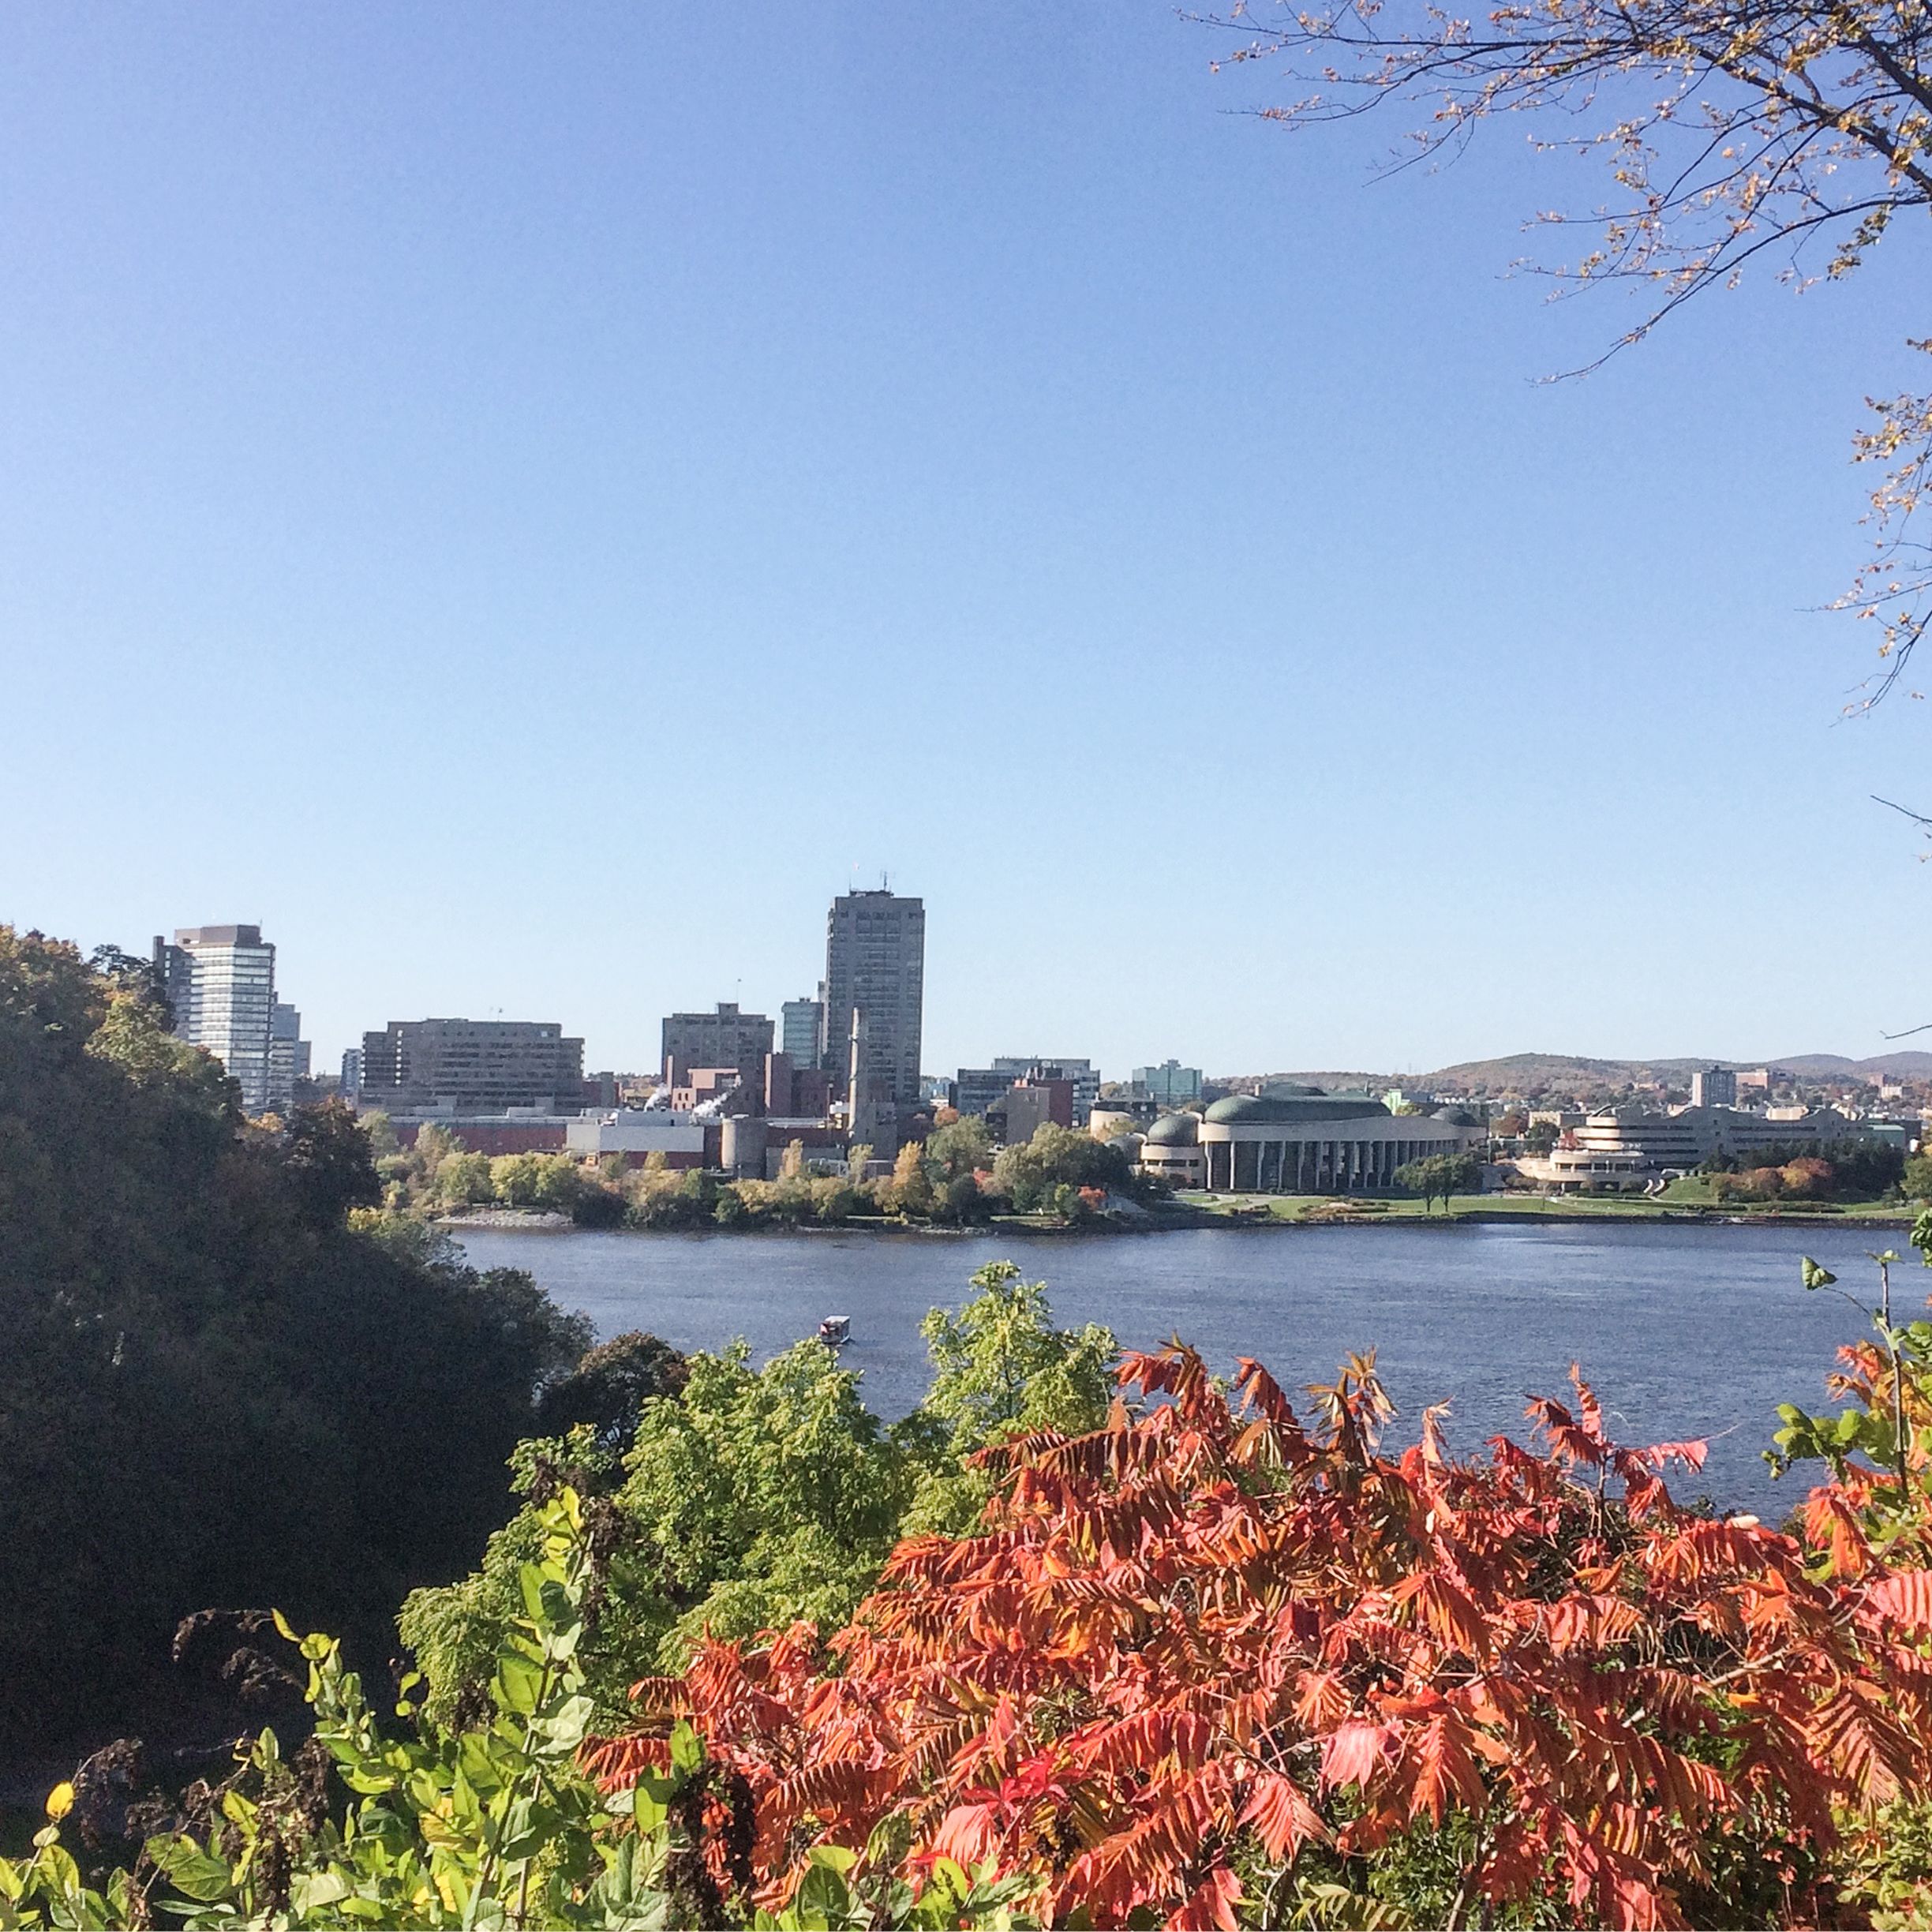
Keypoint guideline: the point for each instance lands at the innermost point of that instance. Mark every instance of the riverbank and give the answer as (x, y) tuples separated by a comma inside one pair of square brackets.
[(1371, 1210), (1195, 1211)]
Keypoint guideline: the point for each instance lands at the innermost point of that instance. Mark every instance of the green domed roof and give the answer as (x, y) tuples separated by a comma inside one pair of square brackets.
[(1265, 1109), (1174, 1130)]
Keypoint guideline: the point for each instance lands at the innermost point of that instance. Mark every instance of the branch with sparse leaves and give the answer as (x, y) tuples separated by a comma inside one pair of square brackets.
[(1798, 129)]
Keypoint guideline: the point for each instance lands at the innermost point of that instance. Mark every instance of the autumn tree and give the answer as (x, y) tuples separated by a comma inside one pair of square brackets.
[(1732, 131), (910, 1191)]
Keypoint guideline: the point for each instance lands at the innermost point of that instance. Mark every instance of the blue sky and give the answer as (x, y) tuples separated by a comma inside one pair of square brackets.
[(529, 502)]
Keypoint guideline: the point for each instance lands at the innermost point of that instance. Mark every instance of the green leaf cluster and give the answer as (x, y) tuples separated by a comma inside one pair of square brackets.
[(487, 1826), (752, 1498)]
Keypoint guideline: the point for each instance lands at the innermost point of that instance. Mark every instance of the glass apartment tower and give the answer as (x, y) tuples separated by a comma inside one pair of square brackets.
[(802, 1034), (220, 982), (875, 967)]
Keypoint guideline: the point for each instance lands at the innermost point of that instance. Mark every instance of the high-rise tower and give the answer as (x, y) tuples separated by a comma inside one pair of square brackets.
[(875, 966)]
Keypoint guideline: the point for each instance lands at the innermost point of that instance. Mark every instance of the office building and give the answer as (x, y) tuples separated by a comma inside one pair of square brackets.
[(726, 1038), (288, 1056), (351, 1072), (480, 1066), (1714, 1086), (875, 968), (220, 985), (801, 1037), (1170, 1083)]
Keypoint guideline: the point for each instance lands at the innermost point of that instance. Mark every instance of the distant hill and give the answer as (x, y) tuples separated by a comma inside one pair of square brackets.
[(1535, 1072), (1900, 1066)]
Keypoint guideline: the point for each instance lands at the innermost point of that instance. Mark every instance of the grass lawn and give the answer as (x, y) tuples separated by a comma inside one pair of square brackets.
[(1689, 1199)]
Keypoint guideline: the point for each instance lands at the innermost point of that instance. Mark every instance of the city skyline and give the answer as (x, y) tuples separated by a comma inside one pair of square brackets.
[(729, 1014), (1242, 652)]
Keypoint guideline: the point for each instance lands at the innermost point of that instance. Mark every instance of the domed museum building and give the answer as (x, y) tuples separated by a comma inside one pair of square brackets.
[(1299, 1141)]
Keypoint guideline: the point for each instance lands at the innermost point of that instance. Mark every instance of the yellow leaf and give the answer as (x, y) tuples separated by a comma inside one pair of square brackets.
[(60, 1800)]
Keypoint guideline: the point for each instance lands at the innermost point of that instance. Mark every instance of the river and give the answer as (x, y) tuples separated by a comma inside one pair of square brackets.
[(1684, 1332)]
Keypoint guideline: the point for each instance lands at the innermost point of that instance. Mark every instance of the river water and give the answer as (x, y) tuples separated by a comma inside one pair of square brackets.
[(1683, 1330)]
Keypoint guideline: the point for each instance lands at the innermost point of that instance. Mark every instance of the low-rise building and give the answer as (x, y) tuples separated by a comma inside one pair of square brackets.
[(524, 1130), (1634, 1146), (636, 1133), (977, 1088), (471, 1066), (1029, 1105), (1172, 1151)]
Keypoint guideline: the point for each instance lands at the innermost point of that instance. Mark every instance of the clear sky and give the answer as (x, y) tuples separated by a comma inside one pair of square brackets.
[(527, 502)]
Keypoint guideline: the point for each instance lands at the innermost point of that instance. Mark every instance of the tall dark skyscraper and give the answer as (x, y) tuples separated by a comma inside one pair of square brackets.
[(875, 966)]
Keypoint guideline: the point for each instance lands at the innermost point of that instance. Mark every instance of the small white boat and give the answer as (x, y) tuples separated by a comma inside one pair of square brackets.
[(835, 1331)]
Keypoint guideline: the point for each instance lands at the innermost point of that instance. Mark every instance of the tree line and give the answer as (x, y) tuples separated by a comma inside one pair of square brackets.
[(955, 1176)]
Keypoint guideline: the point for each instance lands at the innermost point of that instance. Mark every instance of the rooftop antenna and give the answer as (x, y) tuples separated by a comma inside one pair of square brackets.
[(884, 880)]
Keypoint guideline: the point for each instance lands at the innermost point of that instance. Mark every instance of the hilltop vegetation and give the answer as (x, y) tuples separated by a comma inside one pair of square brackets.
[(1573, 1075), (213, 1390)]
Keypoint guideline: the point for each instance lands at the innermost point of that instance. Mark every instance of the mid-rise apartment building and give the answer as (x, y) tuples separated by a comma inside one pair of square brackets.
[(481, 1066), (1714, 1086), (220, 985), (726, 1038)]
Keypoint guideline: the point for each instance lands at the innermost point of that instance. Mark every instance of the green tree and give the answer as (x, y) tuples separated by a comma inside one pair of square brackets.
[(1439, 1176), (959, 1147), (747, 1499), (750, 1498), (1056, 1158), (516, 1179), (464, 1180), (329, 1161), (1000, 1364)]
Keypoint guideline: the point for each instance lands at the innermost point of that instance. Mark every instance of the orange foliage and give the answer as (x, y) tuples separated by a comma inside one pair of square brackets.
[(1185, 1649)]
